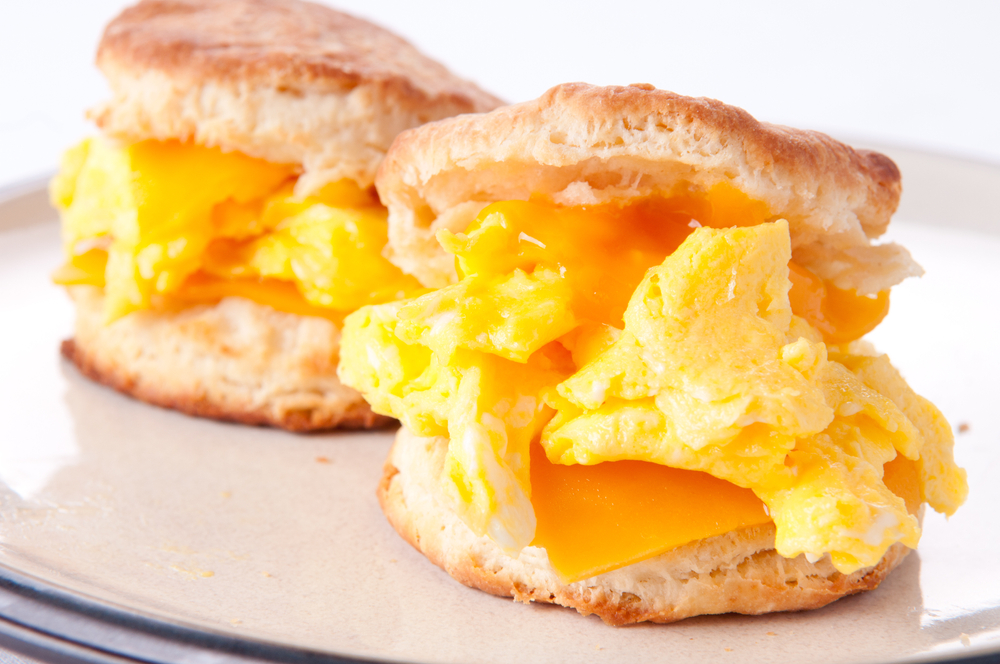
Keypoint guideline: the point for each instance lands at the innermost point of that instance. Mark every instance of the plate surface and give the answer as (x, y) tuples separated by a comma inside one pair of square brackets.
[(276, 542)]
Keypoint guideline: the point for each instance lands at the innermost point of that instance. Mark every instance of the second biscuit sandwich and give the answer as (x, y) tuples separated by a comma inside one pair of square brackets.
[(639, 389), (225, 221)]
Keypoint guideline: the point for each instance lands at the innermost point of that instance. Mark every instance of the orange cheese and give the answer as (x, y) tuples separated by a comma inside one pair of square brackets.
[(602, 251), (593, 519), (85, 269), (88, 269), (176, 186), (840, 315), (902, 477), (201, 288)]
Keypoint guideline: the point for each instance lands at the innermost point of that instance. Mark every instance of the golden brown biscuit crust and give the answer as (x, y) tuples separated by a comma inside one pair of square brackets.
[(282, 80), (584, 144), (738, 572), (236, 361), (284, 44)]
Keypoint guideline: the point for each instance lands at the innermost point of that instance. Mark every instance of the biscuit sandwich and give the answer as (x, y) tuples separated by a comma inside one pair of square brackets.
[(638, 388), (225, 220)]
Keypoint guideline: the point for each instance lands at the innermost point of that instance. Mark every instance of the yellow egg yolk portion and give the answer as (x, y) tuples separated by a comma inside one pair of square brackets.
[(163, 225), (681, 346)]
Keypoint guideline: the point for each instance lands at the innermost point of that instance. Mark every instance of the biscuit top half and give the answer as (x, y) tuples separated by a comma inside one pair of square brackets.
[(580, 144), (283, 80)]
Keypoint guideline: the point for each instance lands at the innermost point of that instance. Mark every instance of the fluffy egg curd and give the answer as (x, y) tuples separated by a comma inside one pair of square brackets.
[(618, 380), (163, 225)]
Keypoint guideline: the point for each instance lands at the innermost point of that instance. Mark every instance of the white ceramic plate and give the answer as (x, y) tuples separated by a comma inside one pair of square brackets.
[(133, 530)]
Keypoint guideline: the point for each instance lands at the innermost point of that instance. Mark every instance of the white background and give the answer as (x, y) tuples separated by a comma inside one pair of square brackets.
[(914, 74)]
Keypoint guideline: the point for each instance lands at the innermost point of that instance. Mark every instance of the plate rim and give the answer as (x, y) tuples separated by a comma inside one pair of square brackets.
[(33, 610)]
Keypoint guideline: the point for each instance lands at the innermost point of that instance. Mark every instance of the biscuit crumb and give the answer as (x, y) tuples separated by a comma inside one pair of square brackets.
[(963, 427), (236, 621), (728, 649), (226, 494), (266, 574), (965, 640), (771, 634), (598, 648), (322, 459)]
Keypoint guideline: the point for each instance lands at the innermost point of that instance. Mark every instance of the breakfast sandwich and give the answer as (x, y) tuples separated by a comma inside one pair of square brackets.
[(639, 387), (225, 221)]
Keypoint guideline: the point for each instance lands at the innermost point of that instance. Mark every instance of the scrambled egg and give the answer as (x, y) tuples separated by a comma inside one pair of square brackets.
[(680, 347), (167, 224)]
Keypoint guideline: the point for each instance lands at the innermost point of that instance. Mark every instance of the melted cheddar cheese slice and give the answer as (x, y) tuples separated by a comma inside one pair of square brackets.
[(163, 225), (594, 519)]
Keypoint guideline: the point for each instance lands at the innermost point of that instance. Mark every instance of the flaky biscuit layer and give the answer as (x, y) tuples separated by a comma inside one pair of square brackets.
[(237, 361), (283, 80)]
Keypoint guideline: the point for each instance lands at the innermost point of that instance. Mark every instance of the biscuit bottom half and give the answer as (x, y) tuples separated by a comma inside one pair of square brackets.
[(236, 360), (737, 572)]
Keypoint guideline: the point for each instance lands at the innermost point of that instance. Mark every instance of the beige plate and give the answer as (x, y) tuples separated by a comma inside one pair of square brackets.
[(252, 536)]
